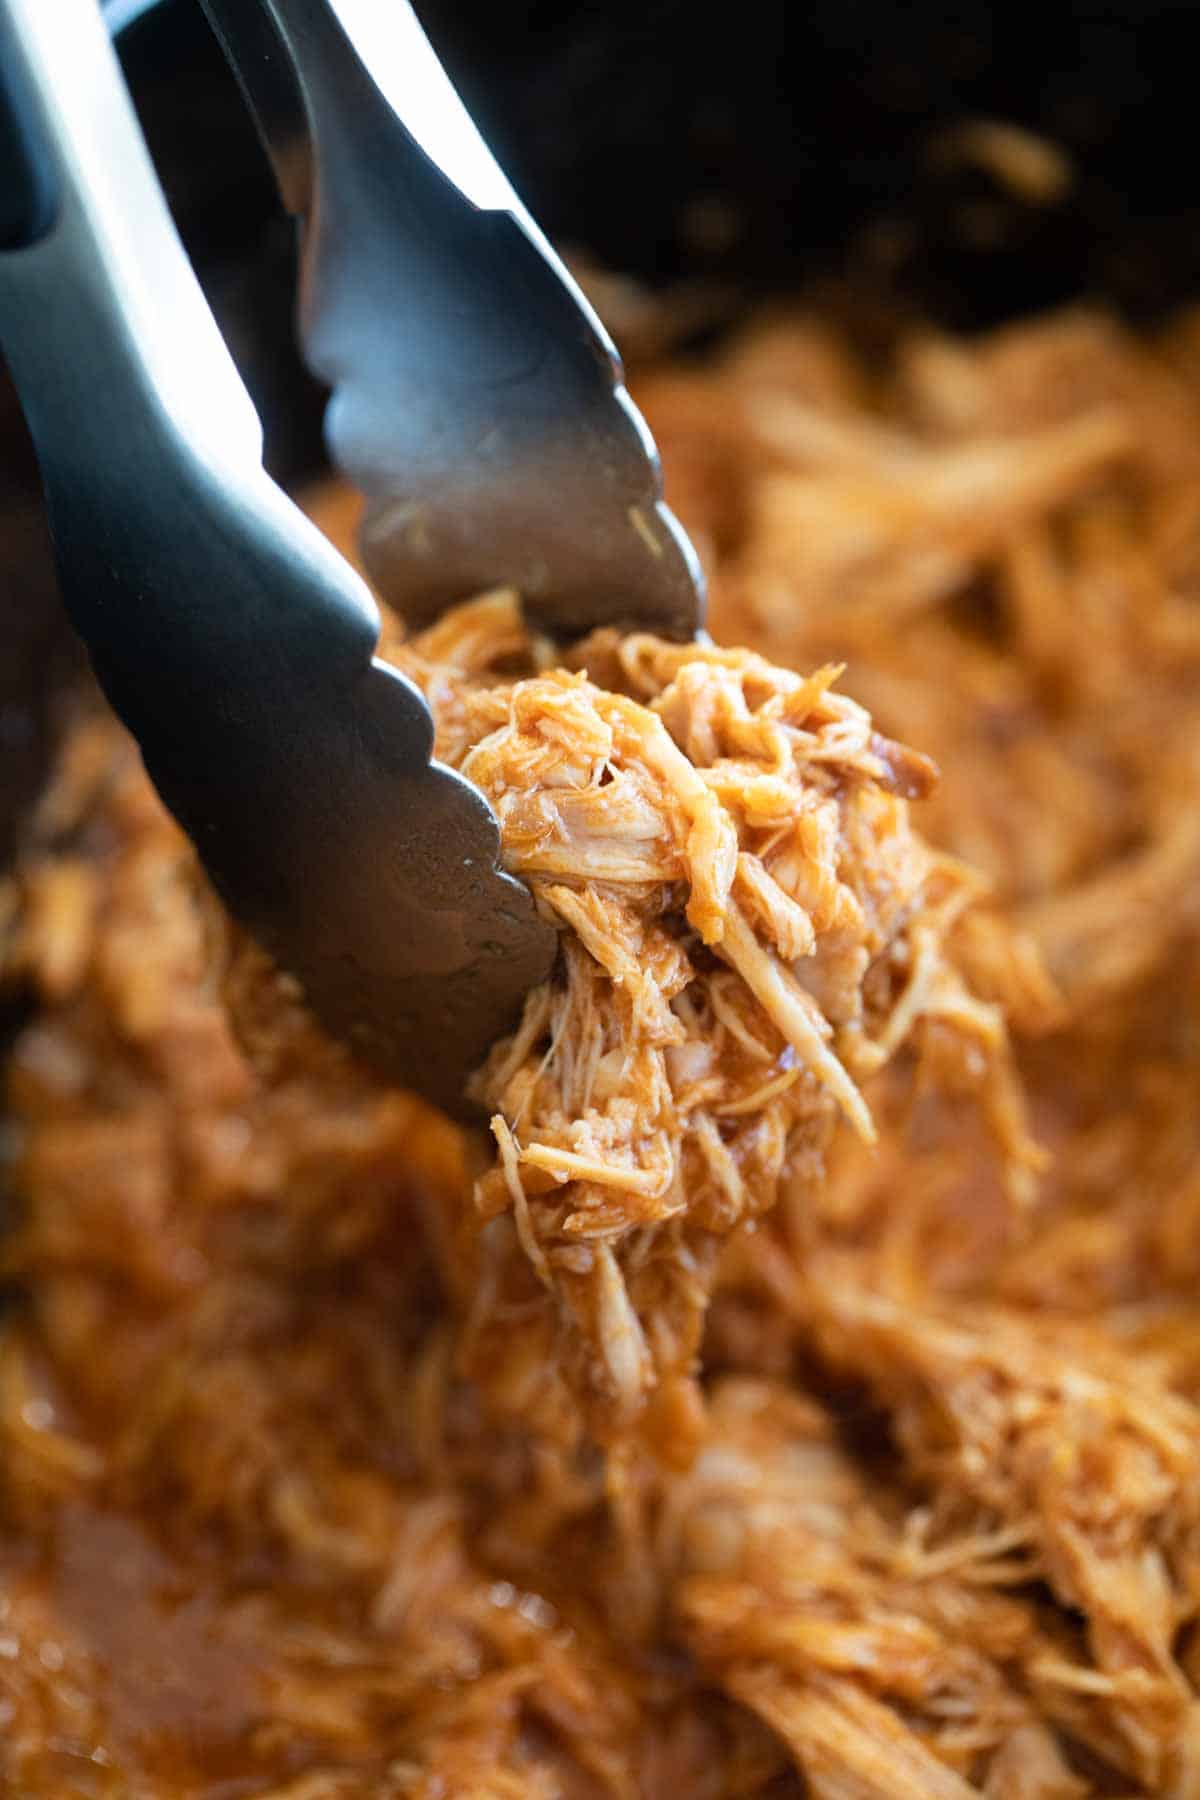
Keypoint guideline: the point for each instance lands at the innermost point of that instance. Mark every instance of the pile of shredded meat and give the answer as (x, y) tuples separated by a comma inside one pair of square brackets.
[(749, 928), (766, 1407)]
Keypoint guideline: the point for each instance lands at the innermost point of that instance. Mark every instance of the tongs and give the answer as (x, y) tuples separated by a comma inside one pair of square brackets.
[(476, 401)]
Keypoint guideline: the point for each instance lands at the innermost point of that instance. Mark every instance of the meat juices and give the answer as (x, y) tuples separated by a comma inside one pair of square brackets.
[(701, 1451)]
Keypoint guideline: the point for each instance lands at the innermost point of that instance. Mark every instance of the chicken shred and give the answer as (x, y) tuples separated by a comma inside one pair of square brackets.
[(751, 927)]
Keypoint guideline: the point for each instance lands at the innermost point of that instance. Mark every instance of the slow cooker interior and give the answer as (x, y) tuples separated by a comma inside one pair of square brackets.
[(793, 144)]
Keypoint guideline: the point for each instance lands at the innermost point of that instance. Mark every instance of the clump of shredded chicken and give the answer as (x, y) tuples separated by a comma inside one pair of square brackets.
[(750, 928), (743, 1422)]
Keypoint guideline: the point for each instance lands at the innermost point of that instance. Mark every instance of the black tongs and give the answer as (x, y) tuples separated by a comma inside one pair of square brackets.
[(476, 401)]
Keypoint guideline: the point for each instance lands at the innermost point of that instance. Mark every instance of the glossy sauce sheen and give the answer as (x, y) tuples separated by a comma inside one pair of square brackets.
[(293, 1502)]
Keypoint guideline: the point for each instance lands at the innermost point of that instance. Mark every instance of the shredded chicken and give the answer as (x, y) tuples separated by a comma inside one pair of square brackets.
[(750, 929), (757, 1411)]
